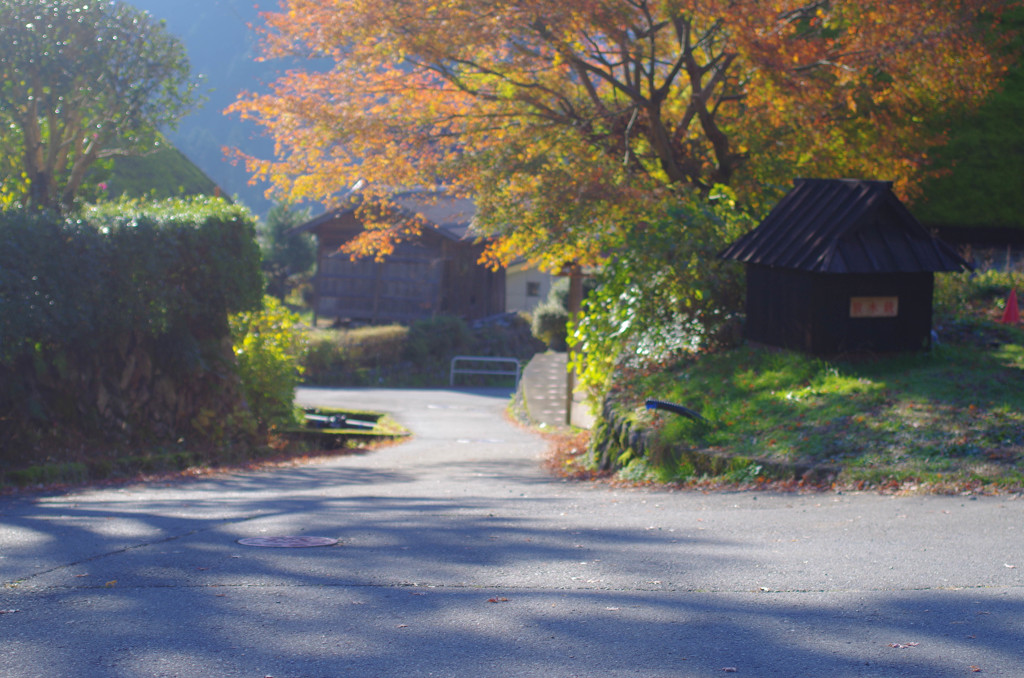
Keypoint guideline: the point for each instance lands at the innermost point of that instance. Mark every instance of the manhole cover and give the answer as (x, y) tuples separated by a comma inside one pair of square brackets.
[(288, 542)]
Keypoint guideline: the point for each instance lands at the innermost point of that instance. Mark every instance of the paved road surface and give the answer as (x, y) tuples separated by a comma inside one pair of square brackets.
[(459, 556)]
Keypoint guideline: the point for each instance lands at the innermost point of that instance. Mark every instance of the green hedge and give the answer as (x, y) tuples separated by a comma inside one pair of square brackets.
[(415, 356), (114, 325)]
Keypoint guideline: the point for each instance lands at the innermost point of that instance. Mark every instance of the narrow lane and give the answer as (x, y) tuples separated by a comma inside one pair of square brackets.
[(460, 556)]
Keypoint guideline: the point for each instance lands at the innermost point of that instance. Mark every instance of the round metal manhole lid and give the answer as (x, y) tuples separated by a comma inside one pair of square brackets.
[(288, 542)]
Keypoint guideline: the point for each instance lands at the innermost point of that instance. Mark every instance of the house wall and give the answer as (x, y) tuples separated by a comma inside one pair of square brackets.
[(525, 288), (403, 288), (469, 290), (429, 276), (812, 311)]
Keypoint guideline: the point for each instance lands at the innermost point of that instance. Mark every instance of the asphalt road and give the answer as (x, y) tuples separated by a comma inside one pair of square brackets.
[(460, 556)]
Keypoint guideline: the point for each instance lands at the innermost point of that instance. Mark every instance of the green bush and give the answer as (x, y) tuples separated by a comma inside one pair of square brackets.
[(324, 359), (957, 294), (375, 347), (267, 346), (114, 324), (551, 324), (356, 357), (510, 336), (410, 356), (665, 293), (440, 336)]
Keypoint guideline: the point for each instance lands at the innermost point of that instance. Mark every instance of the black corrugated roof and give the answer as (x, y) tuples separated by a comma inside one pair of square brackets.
[(452, 216), (844, 226)]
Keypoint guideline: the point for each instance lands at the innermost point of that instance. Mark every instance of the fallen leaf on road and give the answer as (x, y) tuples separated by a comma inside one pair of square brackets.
[(975, 669), (402, 626), (1012, 567), (9, 611), (731, 669), (110, 584), (497, 600), (901, 646)]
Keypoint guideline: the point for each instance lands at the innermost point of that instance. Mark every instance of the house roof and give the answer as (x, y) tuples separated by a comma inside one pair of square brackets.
[(452, 216), (844, 226)]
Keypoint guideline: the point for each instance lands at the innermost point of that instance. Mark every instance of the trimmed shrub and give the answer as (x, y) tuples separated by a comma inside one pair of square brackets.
[(352, 357), (440, 336), (114, 325), (550, 324), (419, 356)]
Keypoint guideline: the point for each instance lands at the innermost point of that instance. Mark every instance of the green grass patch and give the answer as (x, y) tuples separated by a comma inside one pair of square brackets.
[(953, 415)]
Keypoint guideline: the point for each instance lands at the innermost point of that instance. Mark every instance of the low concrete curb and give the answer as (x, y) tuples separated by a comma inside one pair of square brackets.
[(542, 392)]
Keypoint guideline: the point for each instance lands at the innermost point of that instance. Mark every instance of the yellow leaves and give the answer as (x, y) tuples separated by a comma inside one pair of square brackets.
[(851, 102), (474, 93)]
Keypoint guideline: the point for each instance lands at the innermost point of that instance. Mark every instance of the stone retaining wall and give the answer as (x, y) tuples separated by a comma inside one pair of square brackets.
[(618, 431)]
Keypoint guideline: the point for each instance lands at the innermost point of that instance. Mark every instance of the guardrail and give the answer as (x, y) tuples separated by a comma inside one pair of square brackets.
[(515, 369)]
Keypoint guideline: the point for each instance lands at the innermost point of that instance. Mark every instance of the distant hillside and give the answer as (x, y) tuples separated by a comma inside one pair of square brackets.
[(222, 48), (164, 174)]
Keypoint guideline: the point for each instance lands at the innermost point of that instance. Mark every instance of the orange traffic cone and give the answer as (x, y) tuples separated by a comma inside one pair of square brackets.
[(1011, 315)]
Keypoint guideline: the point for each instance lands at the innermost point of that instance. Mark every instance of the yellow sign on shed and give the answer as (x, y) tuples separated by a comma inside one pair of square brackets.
[(874, 307)]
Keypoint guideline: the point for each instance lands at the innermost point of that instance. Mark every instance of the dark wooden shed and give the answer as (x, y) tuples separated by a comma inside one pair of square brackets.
[(436, 274), (841, 265)]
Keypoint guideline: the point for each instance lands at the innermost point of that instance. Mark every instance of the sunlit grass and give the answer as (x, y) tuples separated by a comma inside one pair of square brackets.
[(953, 414)]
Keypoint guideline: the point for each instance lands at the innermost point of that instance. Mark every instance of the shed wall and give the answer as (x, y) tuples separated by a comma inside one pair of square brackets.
[(812, 311)]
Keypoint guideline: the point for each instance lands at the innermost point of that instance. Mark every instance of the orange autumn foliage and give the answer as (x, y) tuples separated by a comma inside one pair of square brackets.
[(567, 121)]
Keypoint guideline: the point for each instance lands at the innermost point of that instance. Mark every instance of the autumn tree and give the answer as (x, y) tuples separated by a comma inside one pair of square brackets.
[(570, 121), (81, 81)]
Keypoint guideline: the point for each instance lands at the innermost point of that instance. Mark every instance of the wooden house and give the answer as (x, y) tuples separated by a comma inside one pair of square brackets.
[(841, 266), (436, 274), (525, 287)]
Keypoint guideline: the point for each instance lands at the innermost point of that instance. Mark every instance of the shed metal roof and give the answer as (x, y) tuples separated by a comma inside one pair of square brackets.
[(452, 216), (844, 226)]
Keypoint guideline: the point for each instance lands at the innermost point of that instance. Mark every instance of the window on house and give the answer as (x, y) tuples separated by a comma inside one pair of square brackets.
[(533, 289)]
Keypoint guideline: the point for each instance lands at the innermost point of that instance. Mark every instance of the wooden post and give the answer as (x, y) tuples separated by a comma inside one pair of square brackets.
[(316, 285), (574, 304)]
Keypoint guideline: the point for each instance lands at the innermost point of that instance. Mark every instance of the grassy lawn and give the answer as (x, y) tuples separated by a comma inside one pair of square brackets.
[(951, 419)]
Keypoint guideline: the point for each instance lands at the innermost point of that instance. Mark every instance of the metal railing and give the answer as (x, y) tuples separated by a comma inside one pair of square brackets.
[(514, 369)]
